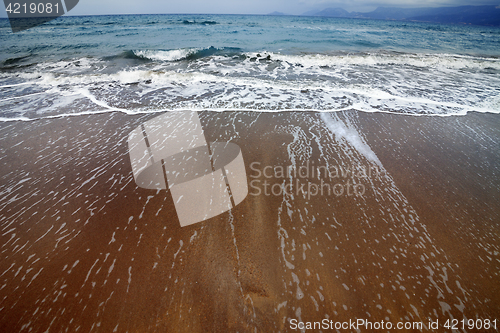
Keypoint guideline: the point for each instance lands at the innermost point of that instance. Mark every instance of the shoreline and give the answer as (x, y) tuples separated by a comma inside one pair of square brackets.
[(84, 247)]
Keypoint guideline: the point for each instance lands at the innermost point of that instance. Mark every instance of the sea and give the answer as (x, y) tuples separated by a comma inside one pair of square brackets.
[(156, 63), (86, 247)]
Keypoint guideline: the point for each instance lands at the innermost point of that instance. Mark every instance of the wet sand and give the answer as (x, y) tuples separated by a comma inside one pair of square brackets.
[(84, 249)]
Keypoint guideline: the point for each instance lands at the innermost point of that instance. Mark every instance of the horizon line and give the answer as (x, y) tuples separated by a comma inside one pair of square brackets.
[(269, 14)]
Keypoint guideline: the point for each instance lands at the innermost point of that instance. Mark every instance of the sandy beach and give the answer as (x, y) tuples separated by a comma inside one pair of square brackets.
[(84, 249)]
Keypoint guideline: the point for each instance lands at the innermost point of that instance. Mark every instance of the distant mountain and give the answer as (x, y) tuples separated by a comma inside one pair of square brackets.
[(478, 15), (395, 13), (472, 15), (311, 13), (334, 12), (276, 14)]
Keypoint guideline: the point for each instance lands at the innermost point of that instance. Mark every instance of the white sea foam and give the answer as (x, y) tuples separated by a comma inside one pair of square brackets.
[(440, 61), (350, 134), (412, 84), (170, 55)]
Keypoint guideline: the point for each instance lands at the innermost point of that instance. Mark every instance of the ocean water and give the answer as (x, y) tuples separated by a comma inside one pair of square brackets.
[(153, 63), (85, 249)]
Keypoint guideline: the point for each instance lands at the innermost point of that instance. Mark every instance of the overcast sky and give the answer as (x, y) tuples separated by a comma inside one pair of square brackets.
[(99, 7)]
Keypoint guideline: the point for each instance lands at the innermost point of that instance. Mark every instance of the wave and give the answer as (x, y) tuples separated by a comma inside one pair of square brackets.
[(184, 54), (17, 63), (144, 91), (220, 79), (382, 58), (15, 60), (440, 61), (200, 23), (165, 55), (129, 54)]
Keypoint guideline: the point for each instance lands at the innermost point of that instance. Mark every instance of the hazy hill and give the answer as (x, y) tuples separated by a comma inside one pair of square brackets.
[(479, 15), (276, 14), (334, 12)]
